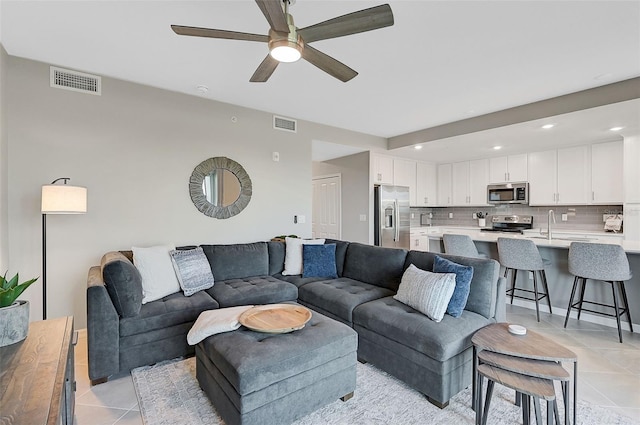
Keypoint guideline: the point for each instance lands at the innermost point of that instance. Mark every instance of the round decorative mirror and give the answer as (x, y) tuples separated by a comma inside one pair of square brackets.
[(220, 187)]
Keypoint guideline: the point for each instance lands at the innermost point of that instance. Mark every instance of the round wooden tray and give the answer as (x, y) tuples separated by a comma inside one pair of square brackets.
[(275, 318)]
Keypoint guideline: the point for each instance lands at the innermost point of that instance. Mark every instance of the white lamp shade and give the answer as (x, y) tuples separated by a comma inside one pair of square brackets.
[(64, 199)]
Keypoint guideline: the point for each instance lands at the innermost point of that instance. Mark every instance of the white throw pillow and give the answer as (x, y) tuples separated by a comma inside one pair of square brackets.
[(293, 254), (158, 276), (427, 292), (213, 322)]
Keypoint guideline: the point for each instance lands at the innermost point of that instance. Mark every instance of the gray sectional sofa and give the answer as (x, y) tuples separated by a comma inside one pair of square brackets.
[(434, 358)]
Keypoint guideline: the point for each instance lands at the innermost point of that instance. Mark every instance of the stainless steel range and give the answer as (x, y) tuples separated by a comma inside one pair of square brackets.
[(510, 223)]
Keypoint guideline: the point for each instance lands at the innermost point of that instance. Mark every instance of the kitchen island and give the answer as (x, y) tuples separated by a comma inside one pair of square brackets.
[(559, 279)]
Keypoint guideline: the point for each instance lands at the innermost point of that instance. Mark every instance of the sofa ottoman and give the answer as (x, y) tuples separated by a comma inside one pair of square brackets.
[(261, 378)]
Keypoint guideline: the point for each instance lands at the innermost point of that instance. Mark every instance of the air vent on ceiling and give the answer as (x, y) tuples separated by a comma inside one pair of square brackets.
[(285, 124), (76, 81)]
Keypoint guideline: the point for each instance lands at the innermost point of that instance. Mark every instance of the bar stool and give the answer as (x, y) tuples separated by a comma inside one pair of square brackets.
[(603, 263), (522, 254), (461, 245)]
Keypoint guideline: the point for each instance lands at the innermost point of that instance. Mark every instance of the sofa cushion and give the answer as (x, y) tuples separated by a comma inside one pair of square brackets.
[(375, 265), (404, 325), (298, 280), (427, 292), (340, 296), (464, 274), (253, 290), (484, 285), (175, 309), (123, 282), (276, 251), (193, 270), (341, 253), (238, 261), (319, 261)]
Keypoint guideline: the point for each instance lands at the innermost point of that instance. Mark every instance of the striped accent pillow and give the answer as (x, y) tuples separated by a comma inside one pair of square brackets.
[(427, 292)]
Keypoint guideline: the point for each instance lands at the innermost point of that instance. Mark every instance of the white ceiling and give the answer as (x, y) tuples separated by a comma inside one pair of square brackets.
[(442, 61)]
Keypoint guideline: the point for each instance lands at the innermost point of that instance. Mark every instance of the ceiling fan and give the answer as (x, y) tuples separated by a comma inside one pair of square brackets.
[(287, 43)]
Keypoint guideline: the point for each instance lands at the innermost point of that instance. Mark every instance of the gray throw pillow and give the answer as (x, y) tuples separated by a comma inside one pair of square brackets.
[(427, 292), (193, 270), (123, 282)]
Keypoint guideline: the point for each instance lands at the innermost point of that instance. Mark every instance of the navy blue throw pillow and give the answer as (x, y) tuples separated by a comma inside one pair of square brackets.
[(319, 261), (464, 274)]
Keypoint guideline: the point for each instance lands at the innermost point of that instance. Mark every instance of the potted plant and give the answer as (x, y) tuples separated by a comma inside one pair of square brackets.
[(14, 313)]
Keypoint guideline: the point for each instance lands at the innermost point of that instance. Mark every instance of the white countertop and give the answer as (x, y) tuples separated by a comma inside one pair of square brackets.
[(560, 239)]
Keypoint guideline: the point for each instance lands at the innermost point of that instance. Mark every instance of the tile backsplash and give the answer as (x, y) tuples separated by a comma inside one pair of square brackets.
[(587, 218)]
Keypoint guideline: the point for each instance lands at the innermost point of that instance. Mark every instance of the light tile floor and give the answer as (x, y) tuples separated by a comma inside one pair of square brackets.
[(608, 372)]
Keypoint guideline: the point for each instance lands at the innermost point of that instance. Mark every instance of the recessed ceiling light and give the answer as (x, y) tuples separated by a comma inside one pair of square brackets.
[(548, 126), (616, 128), (497, 148), (418, 147)]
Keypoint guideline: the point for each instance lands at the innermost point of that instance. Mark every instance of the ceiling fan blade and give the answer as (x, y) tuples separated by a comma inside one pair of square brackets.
[(265, 69), (212, 33), (352, 23), (328, 64), (272, 10)]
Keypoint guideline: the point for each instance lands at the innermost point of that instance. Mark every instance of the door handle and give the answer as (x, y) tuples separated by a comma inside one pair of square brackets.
[(397, 223)]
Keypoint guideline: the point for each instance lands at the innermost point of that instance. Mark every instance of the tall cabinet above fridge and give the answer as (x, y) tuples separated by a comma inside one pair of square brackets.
[(392, 217)]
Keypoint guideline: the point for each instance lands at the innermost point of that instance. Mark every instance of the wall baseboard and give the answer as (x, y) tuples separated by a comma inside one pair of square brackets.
[(585, 316)]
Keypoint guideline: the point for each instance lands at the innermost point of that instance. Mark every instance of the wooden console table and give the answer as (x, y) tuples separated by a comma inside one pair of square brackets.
[(37, 380)]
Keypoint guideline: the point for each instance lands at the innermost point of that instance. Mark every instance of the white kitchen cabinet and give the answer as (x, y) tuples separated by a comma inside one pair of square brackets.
[(460, 183), (382, 169), (469, 182), (478, 181), (573, 176), (404, 174), (426, 184), (559, 177), (606, 173), (542, 177), (512, 168), (444, 185)]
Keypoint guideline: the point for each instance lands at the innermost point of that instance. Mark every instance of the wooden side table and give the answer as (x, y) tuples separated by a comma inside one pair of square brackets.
[(531, 355), (37, 380)]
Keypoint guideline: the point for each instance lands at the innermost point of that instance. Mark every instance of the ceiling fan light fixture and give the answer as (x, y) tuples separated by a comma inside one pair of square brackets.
[(286, 51)]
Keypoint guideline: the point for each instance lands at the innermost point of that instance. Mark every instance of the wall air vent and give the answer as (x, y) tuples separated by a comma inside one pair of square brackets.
[(285, 124), (76, 81)]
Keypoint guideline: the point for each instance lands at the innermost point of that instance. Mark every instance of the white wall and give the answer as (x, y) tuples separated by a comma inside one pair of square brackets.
[(134, 148), (4, 166), (354, 170)]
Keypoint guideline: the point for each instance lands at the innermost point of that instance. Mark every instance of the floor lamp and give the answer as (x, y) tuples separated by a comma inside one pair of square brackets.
[(58, 199)]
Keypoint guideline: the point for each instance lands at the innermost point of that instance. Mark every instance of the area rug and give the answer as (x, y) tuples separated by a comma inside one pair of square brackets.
[(169, 394)]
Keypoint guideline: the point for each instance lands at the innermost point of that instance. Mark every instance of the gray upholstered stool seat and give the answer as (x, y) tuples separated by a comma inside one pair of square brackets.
[(522, 254), (604, 263), (461, 245), (260, 378)]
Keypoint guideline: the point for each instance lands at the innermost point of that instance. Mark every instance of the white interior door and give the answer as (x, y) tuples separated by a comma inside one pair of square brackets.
[(326, 205)]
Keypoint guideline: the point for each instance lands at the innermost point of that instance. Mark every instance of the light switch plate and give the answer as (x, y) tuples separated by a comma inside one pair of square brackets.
[(299, 219), (363, 217), (450, 215)]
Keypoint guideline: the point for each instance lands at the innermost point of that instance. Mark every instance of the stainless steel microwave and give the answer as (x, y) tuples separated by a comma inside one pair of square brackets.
[(508, 193)]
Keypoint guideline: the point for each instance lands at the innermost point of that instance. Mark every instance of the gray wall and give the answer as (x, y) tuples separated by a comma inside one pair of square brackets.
[(354, 170), (134, 148)]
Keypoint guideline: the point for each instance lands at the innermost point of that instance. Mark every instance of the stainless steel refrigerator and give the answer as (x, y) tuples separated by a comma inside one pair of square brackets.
[(392, 217)]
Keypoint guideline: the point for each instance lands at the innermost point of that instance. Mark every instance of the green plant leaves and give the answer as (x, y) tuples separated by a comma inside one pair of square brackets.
[(10, 289)]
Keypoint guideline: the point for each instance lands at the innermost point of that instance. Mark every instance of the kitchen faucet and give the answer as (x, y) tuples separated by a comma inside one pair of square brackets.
[(550, 214)]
